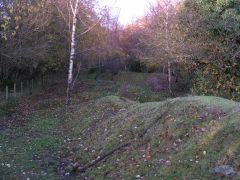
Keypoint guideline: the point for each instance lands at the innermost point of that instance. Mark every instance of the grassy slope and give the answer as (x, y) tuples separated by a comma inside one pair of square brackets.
[(198, 134), (174, 147)]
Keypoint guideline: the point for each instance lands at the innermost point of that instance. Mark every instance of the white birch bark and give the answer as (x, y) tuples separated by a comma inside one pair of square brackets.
[(72, 53), (167, 37)]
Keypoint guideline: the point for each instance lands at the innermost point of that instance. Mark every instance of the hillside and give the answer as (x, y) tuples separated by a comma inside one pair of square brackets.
[(174, 138)]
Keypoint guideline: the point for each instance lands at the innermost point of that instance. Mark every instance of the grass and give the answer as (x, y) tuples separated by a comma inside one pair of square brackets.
[(197, 135), (133, 86), (26, 152), (179, 140)]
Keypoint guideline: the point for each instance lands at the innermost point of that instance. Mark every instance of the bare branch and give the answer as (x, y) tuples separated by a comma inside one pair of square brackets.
[(6, 55), (71, 7), (90, 28)]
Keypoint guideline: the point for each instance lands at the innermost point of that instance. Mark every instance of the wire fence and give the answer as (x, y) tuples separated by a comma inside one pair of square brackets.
[(25, 87)]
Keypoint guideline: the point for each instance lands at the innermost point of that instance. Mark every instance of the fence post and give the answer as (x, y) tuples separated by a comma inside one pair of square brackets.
[(42, 80), (28, 87), (21, 88), (6, 92), (14, 90)]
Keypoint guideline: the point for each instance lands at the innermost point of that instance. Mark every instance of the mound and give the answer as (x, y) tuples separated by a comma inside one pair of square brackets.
[(181, 138), (197, 135)]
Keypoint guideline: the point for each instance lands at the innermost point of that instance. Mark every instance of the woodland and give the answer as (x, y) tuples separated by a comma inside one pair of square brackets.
[(155, 99)]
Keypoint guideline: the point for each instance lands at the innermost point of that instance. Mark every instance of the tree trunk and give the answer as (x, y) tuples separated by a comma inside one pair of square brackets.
[(99, 66), (168, 49), (169, 78), (72, 54)]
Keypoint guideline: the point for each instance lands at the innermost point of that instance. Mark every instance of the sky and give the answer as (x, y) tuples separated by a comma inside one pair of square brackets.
[(128, 10)]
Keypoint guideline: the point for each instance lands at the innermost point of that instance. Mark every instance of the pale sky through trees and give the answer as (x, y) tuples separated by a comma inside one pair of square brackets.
[(129, 10)]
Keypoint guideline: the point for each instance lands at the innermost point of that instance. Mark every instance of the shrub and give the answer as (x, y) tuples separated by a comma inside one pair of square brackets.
[(223, 82)]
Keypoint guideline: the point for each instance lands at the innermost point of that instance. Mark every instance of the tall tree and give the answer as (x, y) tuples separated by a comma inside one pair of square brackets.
[(214, 29), (72, 52), (157, 37), (24, 38), (73, 11)]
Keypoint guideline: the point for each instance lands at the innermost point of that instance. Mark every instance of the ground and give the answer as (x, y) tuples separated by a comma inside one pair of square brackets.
[(41, 138)]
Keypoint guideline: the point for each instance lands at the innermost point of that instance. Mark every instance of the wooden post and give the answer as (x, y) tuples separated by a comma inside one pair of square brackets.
[(46, 80), (32, 84), (42, 80), (6, 92), (28, 86), (21, 88), (169, 78), (14, 90)]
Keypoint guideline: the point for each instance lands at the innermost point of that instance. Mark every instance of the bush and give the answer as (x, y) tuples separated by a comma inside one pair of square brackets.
[(224, 82), (136, 66), (151, 68)]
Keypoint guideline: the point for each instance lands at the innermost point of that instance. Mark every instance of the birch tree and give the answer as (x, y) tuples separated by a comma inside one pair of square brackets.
[(80, 18), (72, 52)]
